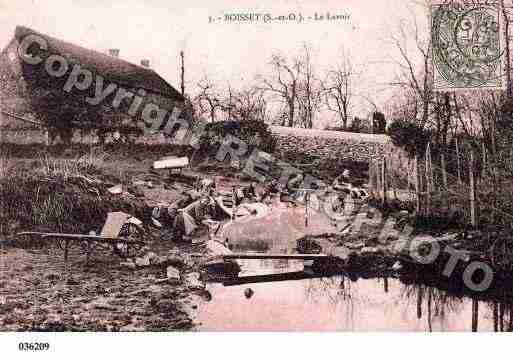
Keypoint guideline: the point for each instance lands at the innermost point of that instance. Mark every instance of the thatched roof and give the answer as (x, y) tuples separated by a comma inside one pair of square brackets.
[(114, 69)]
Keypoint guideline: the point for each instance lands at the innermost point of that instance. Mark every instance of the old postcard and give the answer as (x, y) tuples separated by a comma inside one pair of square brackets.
[(292, 166)]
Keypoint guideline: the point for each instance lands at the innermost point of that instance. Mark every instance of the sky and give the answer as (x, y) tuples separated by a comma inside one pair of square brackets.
[(227, 52)]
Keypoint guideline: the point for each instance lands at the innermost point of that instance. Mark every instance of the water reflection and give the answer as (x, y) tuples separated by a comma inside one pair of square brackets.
[(302, 302), (432, 304), (288, 296), (502, 314), (340, 292)]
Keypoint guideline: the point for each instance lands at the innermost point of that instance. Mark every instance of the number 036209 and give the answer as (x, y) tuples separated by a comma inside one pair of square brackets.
[(33, 346)]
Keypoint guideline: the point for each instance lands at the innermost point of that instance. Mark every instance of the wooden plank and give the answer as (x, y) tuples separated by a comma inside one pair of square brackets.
[(178, 162), (274, 256), (113, 224), (76, 236), (79, 237), (268, 278)]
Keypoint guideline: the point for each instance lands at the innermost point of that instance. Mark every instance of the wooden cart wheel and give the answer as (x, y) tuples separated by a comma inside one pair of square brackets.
[(131, 233), (334, 204), (127, 249)]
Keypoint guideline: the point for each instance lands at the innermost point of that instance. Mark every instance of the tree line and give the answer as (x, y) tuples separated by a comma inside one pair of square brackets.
[(294, 92)]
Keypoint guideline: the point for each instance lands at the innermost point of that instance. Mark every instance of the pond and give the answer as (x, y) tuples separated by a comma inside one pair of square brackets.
[(338, 304), (280, 295)]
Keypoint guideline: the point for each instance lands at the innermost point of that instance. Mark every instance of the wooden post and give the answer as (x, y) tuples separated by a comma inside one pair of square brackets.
[(510, 325), (473, 215), (429, 310), (88, 254), (431, 173), (376, 174), (47, 138), (419, 301), (495, 310), (307, 199), (475, 313), (417, 184), (384, 181), (378, 179), (502, 309), (371, 176), (428, 173), (444, 171), (234, 200), (182, 73), (444, 191), (483, 165), (458, 160), (66, 245)]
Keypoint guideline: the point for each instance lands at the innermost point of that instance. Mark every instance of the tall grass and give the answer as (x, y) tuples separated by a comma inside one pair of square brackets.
[(5, 165), (51, 167), (58, 194)]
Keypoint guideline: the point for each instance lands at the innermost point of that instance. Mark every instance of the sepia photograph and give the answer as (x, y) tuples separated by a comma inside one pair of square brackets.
[(333, 167)]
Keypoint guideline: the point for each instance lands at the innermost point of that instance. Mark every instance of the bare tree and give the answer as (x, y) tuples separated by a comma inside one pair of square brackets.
[(310, 89), (414, 74), (208, 100), (284, 84), (337, 88), (246, 104)]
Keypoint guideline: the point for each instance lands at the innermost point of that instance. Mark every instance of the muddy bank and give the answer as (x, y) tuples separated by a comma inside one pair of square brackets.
[(156, 290), (39, 291)]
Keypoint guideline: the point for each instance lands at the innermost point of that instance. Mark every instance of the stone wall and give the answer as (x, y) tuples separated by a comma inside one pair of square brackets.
[(332, 151), (330, 145)]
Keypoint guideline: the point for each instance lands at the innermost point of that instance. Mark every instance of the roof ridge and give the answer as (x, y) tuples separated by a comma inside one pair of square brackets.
[(96, 58), (26, 29)]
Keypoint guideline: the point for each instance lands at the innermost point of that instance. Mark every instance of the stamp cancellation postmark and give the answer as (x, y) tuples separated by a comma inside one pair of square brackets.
[(466, 41)]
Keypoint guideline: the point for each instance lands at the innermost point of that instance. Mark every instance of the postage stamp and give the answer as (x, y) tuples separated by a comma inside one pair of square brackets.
[(466, 45)]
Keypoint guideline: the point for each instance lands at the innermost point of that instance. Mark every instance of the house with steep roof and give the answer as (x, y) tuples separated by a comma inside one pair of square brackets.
[(57, 84)]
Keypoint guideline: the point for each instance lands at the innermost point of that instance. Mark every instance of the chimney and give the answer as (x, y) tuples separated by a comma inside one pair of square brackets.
[(145, 63), (114, 52)]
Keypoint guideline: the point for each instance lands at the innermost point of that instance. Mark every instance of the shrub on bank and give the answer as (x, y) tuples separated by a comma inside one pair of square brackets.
[(255, 134), (409, 136)]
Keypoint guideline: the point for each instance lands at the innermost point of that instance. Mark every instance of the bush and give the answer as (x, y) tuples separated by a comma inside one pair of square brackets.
[(255, 134), (379, 122), (408, 136)]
